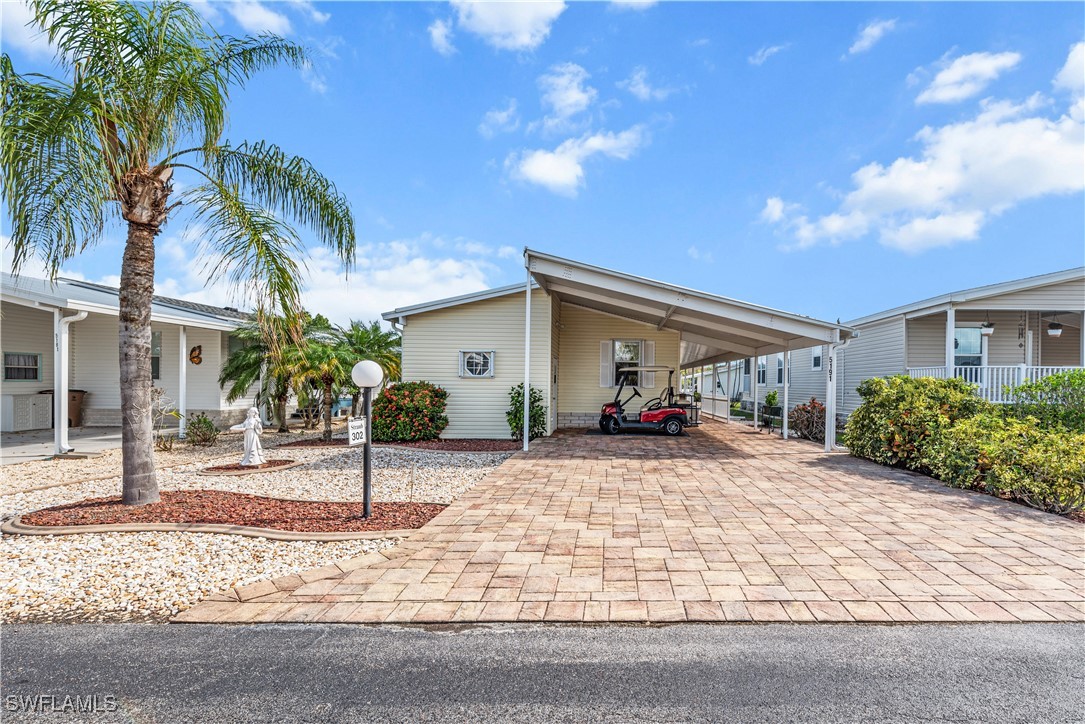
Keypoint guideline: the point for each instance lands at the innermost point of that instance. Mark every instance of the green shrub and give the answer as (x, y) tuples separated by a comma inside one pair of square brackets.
[(1055, 401), (409, 411), (899, 413), (201, 431), (772, 398), (807, 421), (515, 413), (1015, 458)]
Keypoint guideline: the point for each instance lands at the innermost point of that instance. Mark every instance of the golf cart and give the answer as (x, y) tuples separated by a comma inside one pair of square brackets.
[(662, 413)]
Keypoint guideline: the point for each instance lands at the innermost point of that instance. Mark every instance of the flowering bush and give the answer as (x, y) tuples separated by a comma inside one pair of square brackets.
[(808, 420), (409, 411)]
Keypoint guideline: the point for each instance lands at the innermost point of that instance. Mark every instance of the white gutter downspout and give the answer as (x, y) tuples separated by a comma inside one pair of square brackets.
[(830, 390), (182, 381), (527, 357), (60, 379)]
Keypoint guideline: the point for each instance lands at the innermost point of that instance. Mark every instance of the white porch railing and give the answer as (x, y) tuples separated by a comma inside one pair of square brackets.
[(993, 380)]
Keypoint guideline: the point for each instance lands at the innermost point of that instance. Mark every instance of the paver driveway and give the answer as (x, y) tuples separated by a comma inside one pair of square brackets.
[(725, 525)]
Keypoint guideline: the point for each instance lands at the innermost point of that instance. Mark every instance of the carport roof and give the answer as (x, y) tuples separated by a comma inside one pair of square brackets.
[(712, 328)]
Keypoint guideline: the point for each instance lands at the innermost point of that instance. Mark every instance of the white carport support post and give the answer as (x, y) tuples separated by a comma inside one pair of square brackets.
[(182, 383), (60, 378), (756, 378), (951, 324), (527, 360), (727, 414), (787, 384), (830, 392)]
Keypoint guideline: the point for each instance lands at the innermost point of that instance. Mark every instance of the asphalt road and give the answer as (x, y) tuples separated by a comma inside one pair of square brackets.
[(329, 673)]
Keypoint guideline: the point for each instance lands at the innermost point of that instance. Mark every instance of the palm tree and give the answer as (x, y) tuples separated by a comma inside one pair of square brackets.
[(322, 362), (262, 358), (369, 341), (144, 94)]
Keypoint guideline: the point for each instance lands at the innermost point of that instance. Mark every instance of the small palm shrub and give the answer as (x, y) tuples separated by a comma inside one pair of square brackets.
[(201, 431), (808, 421), (1013, 458), (898, 415), (1055, 401), (536, 414), (409, 411)]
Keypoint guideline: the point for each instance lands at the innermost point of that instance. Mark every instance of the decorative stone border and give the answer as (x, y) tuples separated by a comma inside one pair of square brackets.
[(393, 446), (257, 471), (15, 526)]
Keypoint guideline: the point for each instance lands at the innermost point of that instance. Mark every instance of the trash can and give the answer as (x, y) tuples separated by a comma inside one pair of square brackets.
[(75, 407)]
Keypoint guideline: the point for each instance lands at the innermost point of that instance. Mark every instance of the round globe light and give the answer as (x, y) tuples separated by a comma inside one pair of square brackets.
[(367, 373)]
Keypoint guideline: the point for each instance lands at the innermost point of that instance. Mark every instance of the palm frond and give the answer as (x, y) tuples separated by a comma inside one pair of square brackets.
[(291, 186), (248, 246)]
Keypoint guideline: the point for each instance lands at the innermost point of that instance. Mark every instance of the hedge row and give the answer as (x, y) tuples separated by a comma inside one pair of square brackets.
[(940, 427)]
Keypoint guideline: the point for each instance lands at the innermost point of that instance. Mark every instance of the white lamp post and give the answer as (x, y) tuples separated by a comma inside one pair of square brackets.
[(367, 374)]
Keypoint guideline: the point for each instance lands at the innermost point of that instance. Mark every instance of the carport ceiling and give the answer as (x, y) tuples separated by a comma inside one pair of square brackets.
[(713, 328)]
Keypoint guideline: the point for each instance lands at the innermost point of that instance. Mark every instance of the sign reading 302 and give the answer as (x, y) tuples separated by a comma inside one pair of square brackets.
[(356, 431)]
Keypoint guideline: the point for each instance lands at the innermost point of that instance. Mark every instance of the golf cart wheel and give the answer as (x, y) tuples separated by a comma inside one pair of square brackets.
[(673, 427), (609, 426)]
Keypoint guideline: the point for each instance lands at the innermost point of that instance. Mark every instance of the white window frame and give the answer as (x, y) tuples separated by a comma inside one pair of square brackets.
[(780, 369), (464, 373), (762, 370), (37, 356), (817, 356), (639, 361)]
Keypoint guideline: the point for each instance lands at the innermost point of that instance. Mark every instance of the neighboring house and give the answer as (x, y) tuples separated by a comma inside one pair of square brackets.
[(939, 337), (586, 322), (190, 342)]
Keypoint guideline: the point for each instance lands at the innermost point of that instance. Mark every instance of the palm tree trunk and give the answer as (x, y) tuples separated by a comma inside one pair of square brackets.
[(327, 413), (280, 413), (354, 404), (139, 484)]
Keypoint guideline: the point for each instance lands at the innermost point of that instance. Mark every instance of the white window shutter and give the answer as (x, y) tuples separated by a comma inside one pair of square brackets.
[(606, 363), (460, 355), (649, 360)]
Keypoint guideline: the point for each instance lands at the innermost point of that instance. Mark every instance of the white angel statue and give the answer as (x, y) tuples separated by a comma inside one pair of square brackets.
[(253, 429)]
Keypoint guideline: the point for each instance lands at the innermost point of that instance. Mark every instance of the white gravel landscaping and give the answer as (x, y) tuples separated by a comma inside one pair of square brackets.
[(153, 576)]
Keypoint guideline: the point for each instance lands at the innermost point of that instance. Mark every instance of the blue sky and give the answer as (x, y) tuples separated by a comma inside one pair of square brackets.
[(828, 159)]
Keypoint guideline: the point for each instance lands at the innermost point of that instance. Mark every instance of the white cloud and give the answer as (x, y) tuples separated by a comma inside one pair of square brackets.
[(309, 10), (871, 34), (520, 25), (632, 4), (14, 18), (565, 95), (500, 120), (765, 53), (1072, 75), (561, 170), (697, 255), (255, 17), (638, 85), (965, 174), (967, 76), (440, 36)]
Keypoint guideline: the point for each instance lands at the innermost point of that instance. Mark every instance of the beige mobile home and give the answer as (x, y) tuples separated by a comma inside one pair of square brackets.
[(585, 323), (994, 336)]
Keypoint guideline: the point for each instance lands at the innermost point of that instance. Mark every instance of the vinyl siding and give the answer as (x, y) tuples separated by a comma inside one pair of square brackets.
[(1064, 350), (877, 352), (95, 365), (926, 341), (433, 340), (29, 331), (805, 381), (578, 372), (555, 354), (1067, 296)]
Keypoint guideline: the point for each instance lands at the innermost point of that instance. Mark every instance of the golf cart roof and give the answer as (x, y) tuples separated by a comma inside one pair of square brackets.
[(649, 368)]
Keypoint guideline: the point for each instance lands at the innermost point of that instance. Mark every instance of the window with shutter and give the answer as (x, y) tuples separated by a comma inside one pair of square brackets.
[(606, 363), (649, 360)]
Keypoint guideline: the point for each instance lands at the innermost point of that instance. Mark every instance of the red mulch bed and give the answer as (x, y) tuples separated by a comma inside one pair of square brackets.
[(334, 442), (238, 466), (218, 506), (465, 445)]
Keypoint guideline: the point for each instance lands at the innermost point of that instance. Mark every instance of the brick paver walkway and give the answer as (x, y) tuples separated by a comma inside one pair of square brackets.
[(725, 525)]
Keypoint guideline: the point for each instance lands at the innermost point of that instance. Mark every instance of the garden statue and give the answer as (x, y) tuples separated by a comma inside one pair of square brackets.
[(253, 428)]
